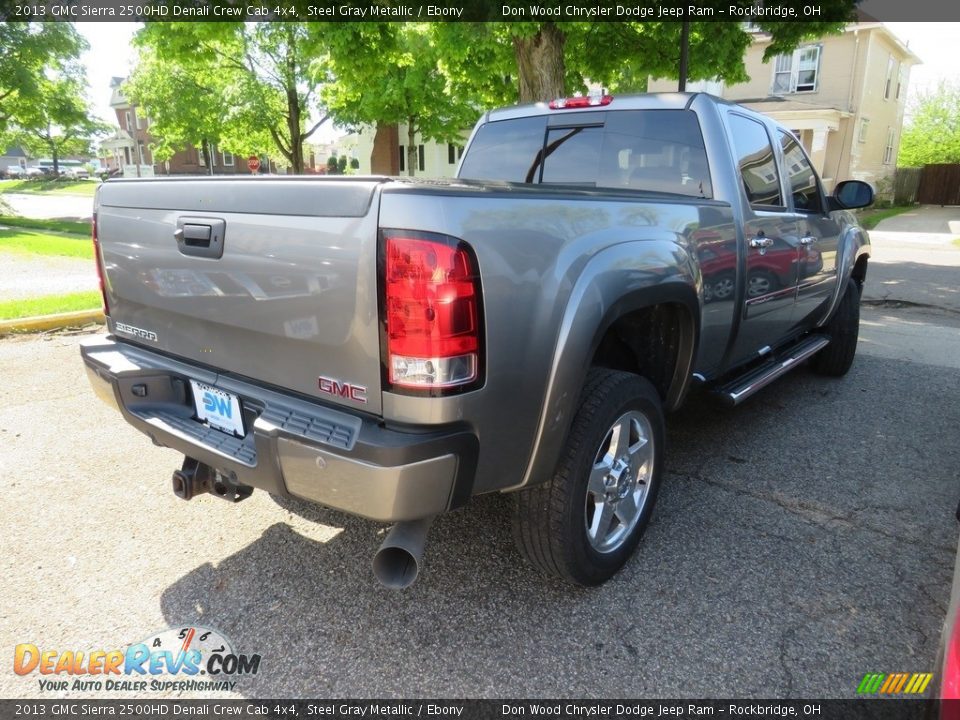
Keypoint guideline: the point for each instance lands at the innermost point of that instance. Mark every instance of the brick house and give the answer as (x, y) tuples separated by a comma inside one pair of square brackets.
[(129, 148)]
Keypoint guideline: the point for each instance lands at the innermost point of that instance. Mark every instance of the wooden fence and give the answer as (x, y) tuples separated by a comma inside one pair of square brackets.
[(905, 185), (939, 185)]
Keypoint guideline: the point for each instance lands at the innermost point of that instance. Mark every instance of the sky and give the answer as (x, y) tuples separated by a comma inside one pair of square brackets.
[(111, 54)]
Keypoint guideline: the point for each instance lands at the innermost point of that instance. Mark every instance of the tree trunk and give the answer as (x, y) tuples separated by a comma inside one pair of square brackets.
[(56, 159), (412, 154), (293, 127), (540, 64), (207, 157), (384, 159)]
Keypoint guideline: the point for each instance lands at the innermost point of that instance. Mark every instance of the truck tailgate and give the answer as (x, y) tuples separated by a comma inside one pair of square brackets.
[(269, 278)]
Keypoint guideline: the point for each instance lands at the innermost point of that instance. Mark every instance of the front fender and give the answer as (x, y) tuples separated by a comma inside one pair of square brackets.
[(854, 243), (618, 280)]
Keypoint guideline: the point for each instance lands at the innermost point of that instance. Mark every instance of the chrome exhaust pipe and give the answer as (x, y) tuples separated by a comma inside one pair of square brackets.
[(397, 562)]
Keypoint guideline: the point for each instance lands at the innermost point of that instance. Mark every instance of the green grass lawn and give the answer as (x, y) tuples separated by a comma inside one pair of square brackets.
[(31, 242), (49, 305), (50, 187), (64, 226), (870, 218)]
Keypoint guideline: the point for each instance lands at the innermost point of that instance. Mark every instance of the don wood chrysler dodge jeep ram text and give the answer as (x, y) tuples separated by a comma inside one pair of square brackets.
[(392, 347)]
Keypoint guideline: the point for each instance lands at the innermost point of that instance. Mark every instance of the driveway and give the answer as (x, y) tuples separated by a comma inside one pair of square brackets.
[(915, 259), (61, 207), (801, 541)]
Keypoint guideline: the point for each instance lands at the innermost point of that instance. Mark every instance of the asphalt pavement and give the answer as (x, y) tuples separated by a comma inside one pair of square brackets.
[(800, 541)]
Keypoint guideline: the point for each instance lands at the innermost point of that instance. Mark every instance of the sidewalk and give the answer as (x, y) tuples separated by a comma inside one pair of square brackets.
[(915, 259)]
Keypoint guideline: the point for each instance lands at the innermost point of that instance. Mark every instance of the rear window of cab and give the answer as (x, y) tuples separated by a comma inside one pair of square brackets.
[(653, 150)]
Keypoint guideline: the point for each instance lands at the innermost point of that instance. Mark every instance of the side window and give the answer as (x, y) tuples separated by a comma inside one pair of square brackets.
[(756, 161), (800, 176), (505, 150)]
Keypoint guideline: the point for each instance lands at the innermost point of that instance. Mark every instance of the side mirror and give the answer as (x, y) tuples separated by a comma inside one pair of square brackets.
[(851, 194)]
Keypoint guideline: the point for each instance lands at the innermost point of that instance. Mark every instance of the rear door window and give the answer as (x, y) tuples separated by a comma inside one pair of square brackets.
[(757, 163), (801, 178)]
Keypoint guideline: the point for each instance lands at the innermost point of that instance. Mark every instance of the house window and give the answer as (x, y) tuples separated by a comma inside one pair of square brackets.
[(864, 126), (889, 81), (128, 119), (797, 72), (143, 154), (420, 158), (900, 79), (139, 121), (403, 159), (451, 154), (888, 150), (228, 160)]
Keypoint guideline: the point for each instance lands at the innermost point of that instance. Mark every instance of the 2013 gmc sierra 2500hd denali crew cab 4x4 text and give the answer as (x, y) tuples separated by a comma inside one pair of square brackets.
[(391, 347)]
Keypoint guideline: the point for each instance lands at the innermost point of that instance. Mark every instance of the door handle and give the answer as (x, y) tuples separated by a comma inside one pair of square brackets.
[(761, 242), (809, 240), (200, 237)]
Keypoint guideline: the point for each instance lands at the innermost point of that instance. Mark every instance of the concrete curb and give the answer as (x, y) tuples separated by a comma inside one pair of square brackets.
[(51, 322)]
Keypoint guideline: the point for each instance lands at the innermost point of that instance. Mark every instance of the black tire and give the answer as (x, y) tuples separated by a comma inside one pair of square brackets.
[(550, 520), (844, 327)]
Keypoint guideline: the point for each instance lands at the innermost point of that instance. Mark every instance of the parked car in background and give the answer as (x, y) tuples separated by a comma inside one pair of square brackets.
[(75, 173), (33, 172)]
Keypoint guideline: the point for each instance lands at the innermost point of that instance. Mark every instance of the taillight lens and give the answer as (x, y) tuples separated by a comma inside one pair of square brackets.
[(431, 312), (99, 263)]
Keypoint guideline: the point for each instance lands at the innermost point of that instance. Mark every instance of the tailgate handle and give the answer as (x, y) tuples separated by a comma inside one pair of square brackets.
[(200, 237)]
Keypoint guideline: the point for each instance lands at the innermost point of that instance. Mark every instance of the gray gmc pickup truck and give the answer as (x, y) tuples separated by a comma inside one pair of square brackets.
[(392, 347)]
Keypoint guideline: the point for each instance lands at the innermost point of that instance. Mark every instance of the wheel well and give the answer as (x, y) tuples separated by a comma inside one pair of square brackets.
[(859, 273), (648, 342)]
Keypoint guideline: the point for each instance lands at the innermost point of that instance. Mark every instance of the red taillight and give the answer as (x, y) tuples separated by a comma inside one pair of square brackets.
[(431, 311), (99, 263), (581, 101), (950, 686)]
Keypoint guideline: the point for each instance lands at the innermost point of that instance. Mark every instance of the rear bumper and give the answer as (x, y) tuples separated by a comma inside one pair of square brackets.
[(292, 446)]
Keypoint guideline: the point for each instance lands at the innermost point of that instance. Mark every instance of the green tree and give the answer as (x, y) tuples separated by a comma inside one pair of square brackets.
[(549, 59), (932, 133), (57, 120), (188, 106), (266, 76), (28, 50), (390, 73)]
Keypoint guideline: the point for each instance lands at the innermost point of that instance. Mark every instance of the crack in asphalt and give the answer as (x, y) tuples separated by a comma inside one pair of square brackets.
[(894, 303), (815, 515)]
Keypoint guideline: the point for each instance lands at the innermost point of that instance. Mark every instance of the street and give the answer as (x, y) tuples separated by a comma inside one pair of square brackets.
[(800, 541)]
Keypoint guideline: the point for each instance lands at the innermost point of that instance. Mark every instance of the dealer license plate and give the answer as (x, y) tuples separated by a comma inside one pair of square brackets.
[(219, 409)]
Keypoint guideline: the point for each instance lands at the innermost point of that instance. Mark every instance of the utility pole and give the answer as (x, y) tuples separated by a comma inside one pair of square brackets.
[(136, 140), (684, 52)]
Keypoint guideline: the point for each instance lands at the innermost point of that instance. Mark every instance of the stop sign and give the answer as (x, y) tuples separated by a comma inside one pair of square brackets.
[(253, 162)]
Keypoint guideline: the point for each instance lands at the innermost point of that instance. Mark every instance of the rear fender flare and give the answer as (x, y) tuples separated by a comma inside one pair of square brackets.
[(618, 280)]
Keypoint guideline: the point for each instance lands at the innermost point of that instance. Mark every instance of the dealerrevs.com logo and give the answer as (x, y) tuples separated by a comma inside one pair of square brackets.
[(179, 659)]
